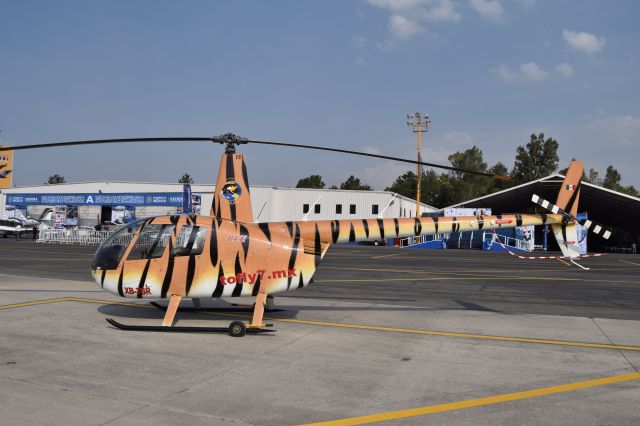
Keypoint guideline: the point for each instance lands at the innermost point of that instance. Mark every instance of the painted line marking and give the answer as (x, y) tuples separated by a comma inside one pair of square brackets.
[(36, 302), (470, 403), (386, 255), (351, 326), (631, 263), (560, 260)]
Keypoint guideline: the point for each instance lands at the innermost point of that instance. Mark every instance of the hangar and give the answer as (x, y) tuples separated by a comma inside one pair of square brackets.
[(609, 208), (103, 201)]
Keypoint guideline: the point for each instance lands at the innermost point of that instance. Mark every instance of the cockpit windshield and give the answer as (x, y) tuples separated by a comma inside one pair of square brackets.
[(110, 252)]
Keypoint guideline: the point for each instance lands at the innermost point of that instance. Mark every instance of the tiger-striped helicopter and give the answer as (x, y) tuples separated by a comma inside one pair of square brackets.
[(227, 254)]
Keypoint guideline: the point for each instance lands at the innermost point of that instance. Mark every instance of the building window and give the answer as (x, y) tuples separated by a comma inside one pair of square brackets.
[(352, 208), (374, 209), (338, 208), (305, 208), (316, 209)]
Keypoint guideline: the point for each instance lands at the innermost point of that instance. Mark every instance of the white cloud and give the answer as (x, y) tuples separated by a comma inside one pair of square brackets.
[(565, 70), (407, 17), (531, 71), (359, 41), (618, 130), (491, 10), (584, 42), (402, 28), (528, 71)]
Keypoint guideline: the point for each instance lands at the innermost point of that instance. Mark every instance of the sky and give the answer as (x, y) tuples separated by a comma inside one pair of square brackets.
[(335, 73)]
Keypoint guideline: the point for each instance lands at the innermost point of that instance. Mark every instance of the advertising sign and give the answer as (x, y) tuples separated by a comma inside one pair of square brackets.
[(59, 216), (462, 211), (6, 168), (98, 199), (187, 206)]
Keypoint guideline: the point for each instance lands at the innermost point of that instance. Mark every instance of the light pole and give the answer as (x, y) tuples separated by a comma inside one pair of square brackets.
[(419, 123)]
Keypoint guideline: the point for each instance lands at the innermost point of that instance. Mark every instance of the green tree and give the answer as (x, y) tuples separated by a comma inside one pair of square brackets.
[(186, 178), (55, 179), (538, 159), (405, 184), (354, 183), (467, 186), (313, 181), (502, 180), (612, 179)]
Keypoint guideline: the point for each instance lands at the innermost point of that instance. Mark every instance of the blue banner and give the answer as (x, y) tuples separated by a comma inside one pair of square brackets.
[(98, 199), (186, 199)]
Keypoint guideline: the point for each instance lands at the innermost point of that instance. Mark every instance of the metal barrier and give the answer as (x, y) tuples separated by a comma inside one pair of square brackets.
[(508, 241), (411, 241), (82, 236)]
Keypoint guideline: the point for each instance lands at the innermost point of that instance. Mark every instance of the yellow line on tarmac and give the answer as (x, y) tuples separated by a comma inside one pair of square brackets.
[(386, 255), (490, 400), (560, 260), (631, 263), (474, 278), (36, 302), (347, 325), (440, 333)]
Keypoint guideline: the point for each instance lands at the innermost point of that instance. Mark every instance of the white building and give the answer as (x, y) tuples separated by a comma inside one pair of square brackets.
[(98, 200)]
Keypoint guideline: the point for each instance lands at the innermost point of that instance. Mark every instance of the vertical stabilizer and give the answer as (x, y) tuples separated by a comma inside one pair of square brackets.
[(570, 191), (232, 199)]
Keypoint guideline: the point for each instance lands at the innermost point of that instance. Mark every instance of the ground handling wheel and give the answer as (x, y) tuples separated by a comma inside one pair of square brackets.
[(237, 329)]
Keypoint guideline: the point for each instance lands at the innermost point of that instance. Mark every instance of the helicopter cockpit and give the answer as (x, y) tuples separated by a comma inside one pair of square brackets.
[(150, 244)]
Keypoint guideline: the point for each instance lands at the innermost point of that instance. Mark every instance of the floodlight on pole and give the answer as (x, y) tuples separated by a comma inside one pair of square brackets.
[(419, 122)]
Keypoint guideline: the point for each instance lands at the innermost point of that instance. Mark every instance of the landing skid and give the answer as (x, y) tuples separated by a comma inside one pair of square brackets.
[(236, 328), (195, 309)]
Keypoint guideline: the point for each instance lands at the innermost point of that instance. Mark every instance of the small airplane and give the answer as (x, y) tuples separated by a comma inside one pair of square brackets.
[(227, 254)]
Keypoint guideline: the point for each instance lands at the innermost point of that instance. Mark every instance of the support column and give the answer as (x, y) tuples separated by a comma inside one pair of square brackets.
[(258, 309)]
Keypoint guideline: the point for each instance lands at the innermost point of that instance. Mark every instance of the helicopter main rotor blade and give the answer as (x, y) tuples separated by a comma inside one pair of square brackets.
[(232, 139), (384, 157), (103, 141)]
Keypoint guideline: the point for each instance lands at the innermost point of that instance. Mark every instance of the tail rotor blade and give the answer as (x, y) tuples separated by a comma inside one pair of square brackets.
[(595, 228)]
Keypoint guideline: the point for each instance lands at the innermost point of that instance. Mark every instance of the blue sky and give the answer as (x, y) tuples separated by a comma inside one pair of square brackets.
[(338, 73)]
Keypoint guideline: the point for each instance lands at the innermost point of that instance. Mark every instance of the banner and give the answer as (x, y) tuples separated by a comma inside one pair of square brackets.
[(187, 206), (98, 199), (6, 168)]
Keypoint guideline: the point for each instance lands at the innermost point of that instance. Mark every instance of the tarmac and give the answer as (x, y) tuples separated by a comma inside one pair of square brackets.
[(400, 336)]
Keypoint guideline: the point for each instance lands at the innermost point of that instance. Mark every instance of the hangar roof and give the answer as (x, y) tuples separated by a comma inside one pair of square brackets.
[(605, 206)]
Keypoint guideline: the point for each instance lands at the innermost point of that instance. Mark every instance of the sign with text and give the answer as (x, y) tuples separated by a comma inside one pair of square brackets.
[(98, 199)]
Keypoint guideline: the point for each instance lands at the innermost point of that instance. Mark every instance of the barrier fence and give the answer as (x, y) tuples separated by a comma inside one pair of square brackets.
[(80, 236)]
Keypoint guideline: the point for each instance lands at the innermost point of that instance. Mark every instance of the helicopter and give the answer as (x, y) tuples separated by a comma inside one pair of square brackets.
[(227, 254)]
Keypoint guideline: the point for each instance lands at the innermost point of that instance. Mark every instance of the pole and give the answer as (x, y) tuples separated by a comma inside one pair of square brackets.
[(419, 123)]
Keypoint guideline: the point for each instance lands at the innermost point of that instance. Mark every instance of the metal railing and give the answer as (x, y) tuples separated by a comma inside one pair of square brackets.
[(412, 241), (82, 236), (508, 241)]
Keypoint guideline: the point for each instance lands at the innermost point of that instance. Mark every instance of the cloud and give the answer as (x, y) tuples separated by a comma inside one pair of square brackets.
[(584, 42), (359, 41), (565, 70), (408, 17), (618, 130), (402, 28), (528, 71), (491, 10)]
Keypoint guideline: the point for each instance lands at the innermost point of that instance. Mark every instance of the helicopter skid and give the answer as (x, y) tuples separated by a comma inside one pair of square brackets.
[(183, 329)]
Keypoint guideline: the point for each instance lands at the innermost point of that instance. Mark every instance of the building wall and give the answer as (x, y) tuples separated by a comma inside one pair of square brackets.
[(270, 204)]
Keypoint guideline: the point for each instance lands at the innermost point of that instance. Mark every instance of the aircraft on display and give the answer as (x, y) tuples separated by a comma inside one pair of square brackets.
[(227, 254)]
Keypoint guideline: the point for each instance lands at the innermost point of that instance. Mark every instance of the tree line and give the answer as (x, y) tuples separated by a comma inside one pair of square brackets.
[(535, 160)]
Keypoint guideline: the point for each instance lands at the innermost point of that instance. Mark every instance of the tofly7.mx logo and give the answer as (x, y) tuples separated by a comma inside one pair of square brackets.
[(243, 277)]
